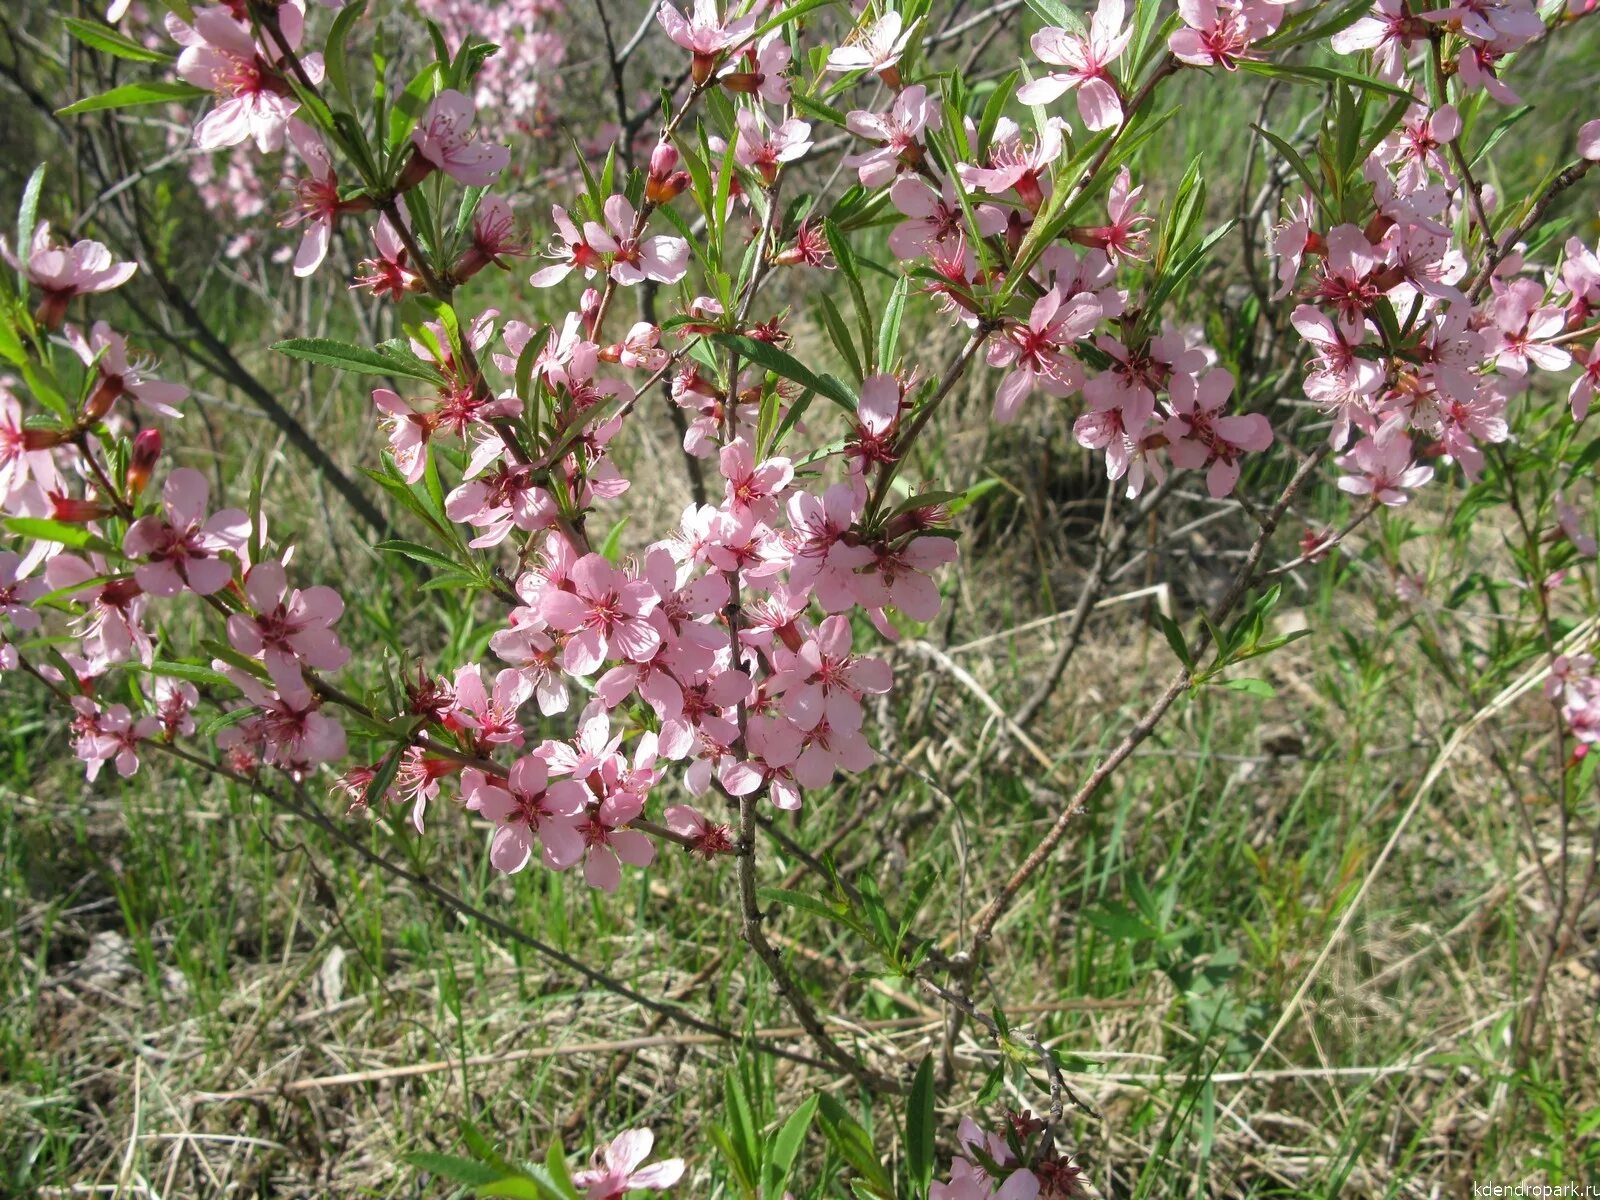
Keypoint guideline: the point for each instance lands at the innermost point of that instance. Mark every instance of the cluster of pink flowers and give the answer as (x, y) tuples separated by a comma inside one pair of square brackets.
[(52, 472)]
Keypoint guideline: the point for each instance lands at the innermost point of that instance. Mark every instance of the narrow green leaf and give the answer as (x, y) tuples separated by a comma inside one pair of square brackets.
[(131, 95), (108, 41), (920, 1129), (358, 360)]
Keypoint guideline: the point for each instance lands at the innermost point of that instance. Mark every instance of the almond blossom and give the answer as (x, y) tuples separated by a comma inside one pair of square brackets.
[(63, 273), (444, 140), (527, 808), (184, 549), (1085, 60), (616, 1168), (254, 102)]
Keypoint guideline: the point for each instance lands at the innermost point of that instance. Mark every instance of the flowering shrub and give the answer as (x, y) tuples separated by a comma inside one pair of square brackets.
[(730, 661)]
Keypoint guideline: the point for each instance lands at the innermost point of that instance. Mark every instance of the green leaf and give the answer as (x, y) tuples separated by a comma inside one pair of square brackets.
[(357, 360), (785, 1148), (1306, 73), (336, 52), (193, 672), (854, 1144), (839, 335), (920, 1128), (419, 553), (132, 95), (1174, 635), (28, 211), (889, 330), (411, 104), (1293, 158), (764, 354), (456, 1170), (42, 529), (108, 41)]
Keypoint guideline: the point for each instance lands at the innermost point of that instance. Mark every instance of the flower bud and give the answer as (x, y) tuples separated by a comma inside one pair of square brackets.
[(146, 450), (663, 160), (71, 511), (44, 439), (110, 390), (417, 169)]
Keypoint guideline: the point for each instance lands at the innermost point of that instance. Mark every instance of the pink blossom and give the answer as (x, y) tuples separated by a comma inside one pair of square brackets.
[(1216, 33), (111, 629), (1197, 436), (707, 838), (935, 217), (1085, 62), (1016, 164), (896, 132), (704, 33), (317, 204), (825, 681), (1123, 236), (1383, 469), (1589, 141), (635, 258), (444, 139), (615, 1169), (605, 613), (184, 549), (527, 808), (1037, 351), (1389, 31), (17, 593), (64, 272), (21, 458), (253, 99), (109, 735), (107, 352), (764, 149), (288, 628), (409, 432), (490, 716), (751, 486), (874, 47)]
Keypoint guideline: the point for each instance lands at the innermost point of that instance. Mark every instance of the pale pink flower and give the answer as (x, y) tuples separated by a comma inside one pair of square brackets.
[(875, 47), (705, 33), (615, 1169), (527, 808), (107, 351), (288, 628), (935, 217), (764, 149), (1037, 351), (444, 138), (1215, 34), (1383, 469), (17, 593), (1016, 164), (897, 132), (1589, 141), (1198, 436), (605, 613), (64, 272), (635, 258), (185, 548), (253, 100), (1084, 62), (490, 716)]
